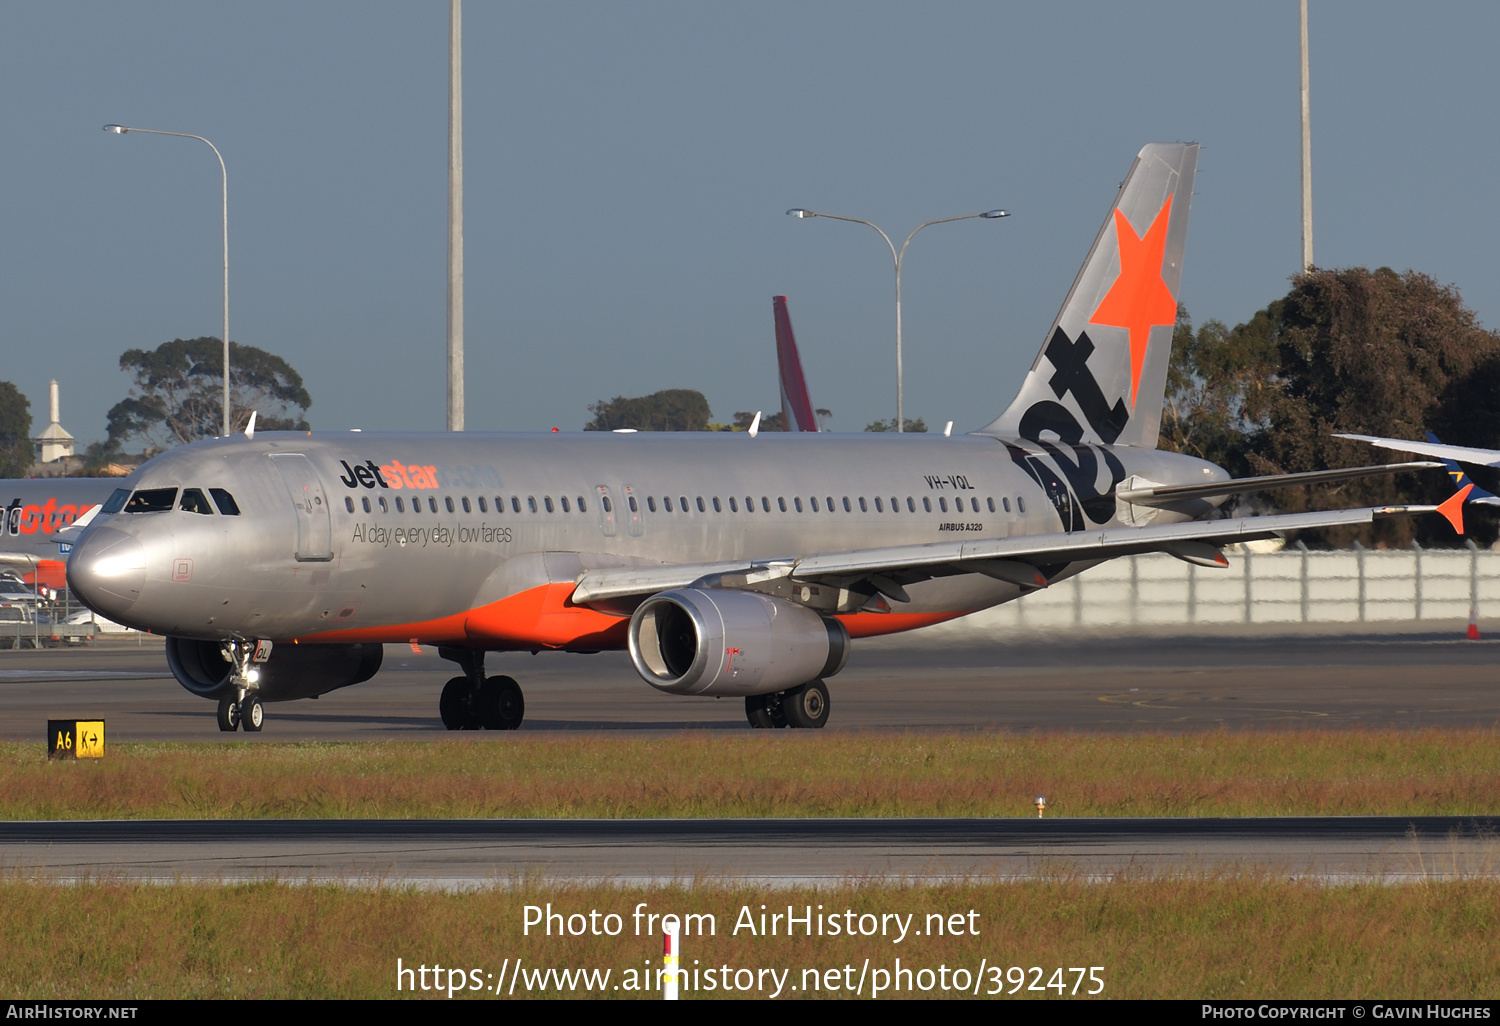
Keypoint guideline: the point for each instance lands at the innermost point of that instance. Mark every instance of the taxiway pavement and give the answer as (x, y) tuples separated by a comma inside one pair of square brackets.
[(782, 852), (1255, 679)]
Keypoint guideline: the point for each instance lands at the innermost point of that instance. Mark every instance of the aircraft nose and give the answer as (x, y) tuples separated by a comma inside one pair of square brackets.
[(107, 570)]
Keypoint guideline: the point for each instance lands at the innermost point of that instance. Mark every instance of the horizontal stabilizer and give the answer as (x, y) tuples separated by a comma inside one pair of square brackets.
[(1464, 453), (1160, 495)]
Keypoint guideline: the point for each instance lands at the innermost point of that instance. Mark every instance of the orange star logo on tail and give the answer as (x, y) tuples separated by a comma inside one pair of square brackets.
[(1139, 299)]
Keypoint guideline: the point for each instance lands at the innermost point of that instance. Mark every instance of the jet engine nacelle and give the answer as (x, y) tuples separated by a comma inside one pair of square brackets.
[(292, 671), (692, 641)]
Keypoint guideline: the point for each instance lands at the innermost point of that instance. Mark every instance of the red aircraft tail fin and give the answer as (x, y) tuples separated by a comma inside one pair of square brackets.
[(796, 406)]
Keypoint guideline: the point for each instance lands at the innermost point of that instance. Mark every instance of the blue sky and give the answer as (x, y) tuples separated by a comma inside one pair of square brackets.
[(628, 165)]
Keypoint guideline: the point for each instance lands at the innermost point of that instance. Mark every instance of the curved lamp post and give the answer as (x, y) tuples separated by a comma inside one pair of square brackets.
[(897, 256), (121, 130)]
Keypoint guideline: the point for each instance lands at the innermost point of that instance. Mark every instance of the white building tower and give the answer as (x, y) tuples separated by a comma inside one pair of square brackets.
[(54, 443)]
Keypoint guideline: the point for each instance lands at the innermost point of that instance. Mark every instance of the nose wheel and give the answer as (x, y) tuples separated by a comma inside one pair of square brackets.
[(246, 712)]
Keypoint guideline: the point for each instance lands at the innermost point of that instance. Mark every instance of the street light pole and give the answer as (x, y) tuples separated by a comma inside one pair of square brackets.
[(897, 256), (121, 130)]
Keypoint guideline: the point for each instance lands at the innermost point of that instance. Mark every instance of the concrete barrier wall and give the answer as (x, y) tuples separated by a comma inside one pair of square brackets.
[(1292, 586)]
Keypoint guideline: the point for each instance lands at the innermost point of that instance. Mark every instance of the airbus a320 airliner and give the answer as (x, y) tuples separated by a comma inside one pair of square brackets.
[(727, 564)]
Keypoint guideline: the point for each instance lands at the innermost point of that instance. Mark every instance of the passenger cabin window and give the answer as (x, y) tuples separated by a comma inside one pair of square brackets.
[(1020, 504), (749, 504), (515, 504), (582, 506), (734, 507), (1006, 503), (701, 508), (465, 501), (863, 506), (650, 503), (116, 501), (682, 501), (448, 501), (666, 502), (151, 500), (991, 501), (547, 502), (813, 502), (482, 507), (781, 502), (432, 503), (365, 501), (765, 503), (194, 501), (847, 507), (531, 503), (400, 505), (797, 502), (225, 502), (927, 503), (349, 503), (911, 506), (385, 507), (895, 505), (830, 505), (942, 504), (564, 501), (878, 507), (609, 507)]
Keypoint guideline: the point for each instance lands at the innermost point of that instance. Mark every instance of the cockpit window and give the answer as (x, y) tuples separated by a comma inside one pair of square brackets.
[(225, 502), (151, 500), (194, 501), (116, 501)]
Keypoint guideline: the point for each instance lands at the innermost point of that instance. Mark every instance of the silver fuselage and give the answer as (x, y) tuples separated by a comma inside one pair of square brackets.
[(507, 523)]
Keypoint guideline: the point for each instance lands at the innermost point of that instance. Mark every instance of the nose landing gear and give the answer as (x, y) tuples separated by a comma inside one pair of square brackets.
[(243, 709)]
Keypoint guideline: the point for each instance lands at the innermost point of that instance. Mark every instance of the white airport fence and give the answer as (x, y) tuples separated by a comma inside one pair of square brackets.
[(1288, 587)]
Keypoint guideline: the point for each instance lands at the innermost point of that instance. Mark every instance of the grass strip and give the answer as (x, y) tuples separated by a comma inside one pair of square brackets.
[(1186, 938), (772, 774)]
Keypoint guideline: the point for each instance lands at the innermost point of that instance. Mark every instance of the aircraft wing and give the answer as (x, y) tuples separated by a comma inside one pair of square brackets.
[(1483, 457), (1013, 559)]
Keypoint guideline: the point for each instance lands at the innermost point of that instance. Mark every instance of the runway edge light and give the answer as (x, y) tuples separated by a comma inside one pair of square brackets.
[(75, 739), (1041, 805)]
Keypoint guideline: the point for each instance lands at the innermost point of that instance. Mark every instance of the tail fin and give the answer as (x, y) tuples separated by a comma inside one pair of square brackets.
[(1461, 481), (796, 406), (1102, 375)]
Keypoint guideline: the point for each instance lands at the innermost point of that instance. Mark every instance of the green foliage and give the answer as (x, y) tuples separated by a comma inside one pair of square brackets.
[(673, 409), (1351, 350), (917, 426), (176, 393), (16, 451)]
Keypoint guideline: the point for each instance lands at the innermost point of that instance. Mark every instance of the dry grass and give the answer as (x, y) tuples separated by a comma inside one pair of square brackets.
[(1429, 772), (1196, 938)]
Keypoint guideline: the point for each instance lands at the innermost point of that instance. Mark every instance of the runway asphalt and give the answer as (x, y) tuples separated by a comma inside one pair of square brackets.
[(470, 853), (1254, 679)]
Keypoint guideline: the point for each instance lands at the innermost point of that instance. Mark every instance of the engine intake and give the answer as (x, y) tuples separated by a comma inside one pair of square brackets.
[(293, 671), (692, 641)]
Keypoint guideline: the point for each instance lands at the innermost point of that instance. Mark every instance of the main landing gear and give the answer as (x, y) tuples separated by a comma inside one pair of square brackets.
[(805, 706), (243, 709), (474, 701)]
